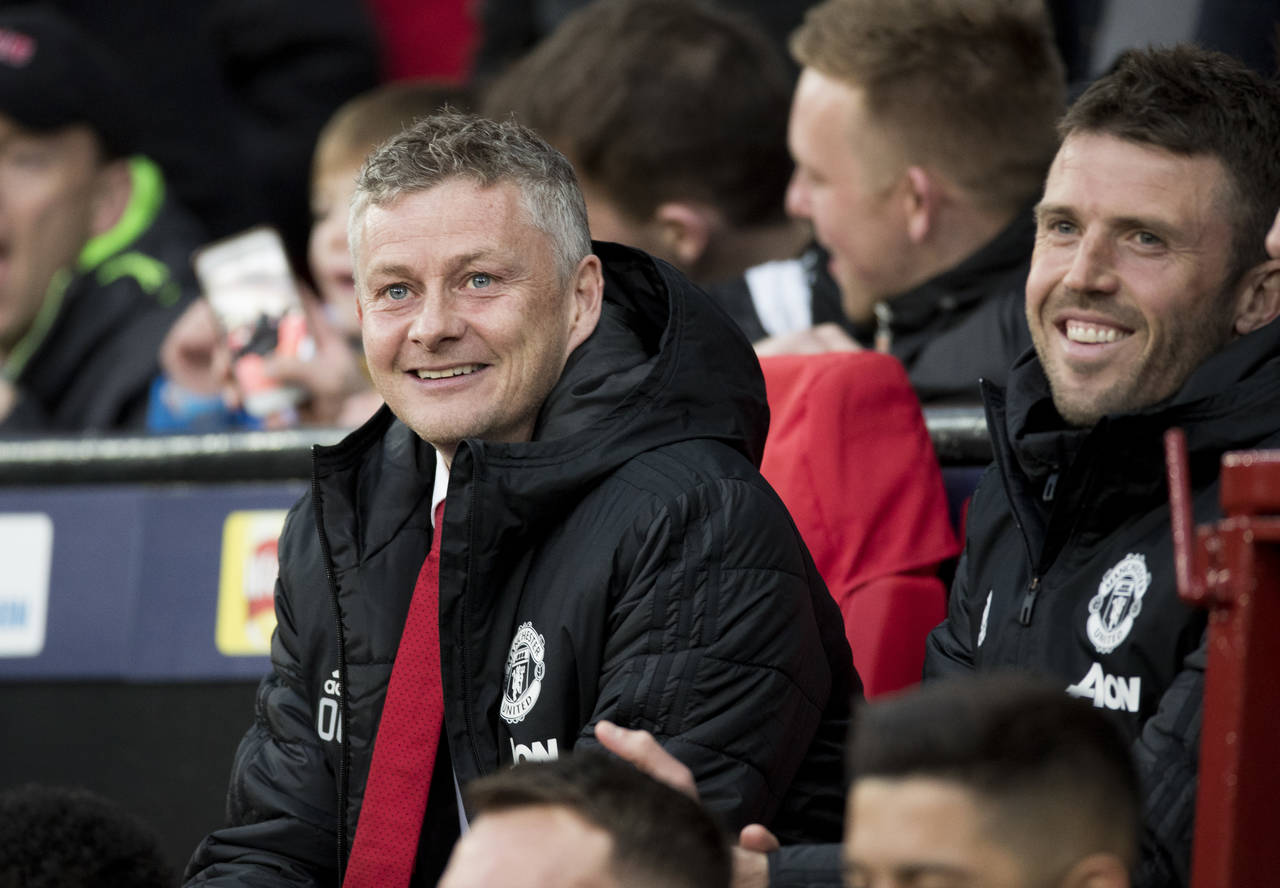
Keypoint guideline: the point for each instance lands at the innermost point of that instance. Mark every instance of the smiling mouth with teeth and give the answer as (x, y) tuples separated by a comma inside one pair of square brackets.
[(446, 374), (1077, 331)]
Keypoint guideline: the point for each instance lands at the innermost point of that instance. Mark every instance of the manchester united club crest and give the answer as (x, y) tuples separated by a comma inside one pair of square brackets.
[(524, 673), (1118, 602)]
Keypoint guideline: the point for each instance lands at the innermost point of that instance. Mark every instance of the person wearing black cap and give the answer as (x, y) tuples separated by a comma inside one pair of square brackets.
[(94, 260)]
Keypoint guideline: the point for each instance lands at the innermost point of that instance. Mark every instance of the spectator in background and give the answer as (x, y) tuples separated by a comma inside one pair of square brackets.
[(57, 837), (674, 115), (587, 819), (235, 92), (335, 385), (94, 257), (1151, 301), (921, 132)]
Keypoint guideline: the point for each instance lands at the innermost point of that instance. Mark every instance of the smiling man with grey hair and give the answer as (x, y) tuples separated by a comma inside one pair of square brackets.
[(557, 518)]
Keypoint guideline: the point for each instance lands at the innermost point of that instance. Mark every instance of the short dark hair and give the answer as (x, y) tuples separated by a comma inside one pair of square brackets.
[(1053, 774), (64, 837), (660, 836), (661, 100), (1191, 101), (972, 87)]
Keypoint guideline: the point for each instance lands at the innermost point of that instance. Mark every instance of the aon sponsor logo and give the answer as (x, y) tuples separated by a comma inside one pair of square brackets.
[(1108, 691), (535, 753)]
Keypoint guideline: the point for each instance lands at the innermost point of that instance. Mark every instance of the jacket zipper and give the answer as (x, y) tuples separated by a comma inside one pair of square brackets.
[(466, 672), (342, 668), (1001, 454), (1029, 600)]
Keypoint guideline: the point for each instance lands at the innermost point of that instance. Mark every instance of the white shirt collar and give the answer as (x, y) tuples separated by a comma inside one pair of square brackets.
[(442, 485)]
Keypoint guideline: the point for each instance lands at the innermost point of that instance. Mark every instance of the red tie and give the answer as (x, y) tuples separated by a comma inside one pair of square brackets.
[(404, 751)]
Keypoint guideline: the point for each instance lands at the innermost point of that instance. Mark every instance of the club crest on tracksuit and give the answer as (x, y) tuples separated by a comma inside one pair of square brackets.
[(1118, 602), (525, 670)]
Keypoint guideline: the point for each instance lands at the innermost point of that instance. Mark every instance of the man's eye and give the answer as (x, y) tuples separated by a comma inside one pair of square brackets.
[(1062, 227), (1147, 239), (397, 292), (479, 281)]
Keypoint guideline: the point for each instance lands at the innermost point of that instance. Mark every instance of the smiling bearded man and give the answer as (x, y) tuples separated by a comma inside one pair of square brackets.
[(591, 425), (1151, 303)]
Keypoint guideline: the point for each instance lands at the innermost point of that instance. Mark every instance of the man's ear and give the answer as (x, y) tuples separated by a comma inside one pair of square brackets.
[(587, 295), (1101, 870), (685, 231), (1258, 302), (921, 196), (112, 189)]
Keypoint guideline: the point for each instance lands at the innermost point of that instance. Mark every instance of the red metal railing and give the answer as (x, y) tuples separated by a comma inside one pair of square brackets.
[(1233, 568)]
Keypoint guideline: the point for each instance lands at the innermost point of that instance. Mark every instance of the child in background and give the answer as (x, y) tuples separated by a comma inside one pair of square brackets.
[(197, 393)]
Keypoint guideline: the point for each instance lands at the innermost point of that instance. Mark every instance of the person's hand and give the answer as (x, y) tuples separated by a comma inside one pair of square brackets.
[(330, 377), (814, 340), (642, 750), (750, 860), (195, 354)]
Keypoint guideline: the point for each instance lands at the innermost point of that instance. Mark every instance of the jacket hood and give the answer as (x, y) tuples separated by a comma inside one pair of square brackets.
[(664, 364)]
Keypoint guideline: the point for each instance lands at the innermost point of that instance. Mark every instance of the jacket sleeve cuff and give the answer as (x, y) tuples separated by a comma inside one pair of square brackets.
[(805, 866)]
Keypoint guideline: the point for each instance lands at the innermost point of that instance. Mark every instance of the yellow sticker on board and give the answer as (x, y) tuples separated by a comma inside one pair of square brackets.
[(246, 584)]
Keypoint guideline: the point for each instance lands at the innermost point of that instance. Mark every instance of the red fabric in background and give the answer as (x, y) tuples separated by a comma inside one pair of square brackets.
[(425, 38), (849, 453)]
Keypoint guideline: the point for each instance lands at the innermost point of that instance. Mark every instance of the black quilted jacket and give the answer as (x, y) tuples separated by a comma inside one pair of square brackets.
[(629, 562)]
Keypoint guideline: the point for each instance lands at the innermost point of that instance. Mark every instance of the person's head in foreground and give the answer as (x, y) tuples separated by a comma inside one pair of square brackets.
[(586, 821), (60, 837), (990, 782), (474, 276), (1149, 253)]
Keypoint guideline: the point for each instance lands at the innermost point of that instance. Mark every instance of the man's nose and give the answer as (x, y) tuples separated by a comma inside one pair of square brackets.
[(437, 322), (1092, 268), (797, 197)]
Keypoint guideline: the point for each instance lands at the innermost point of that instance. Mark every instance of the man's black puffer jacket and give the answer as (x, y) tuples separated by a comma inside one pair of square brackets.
[(630, 560)]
